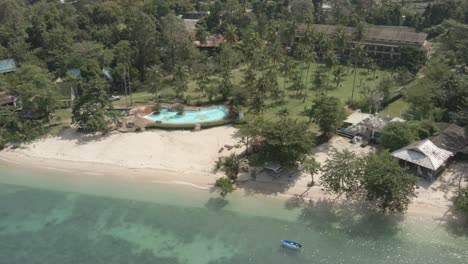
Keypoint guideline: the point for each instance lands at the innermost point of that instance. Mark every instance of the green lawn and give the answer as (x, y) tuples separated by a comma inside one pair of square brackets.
[(61, 120), (293, 104), (396, 108)]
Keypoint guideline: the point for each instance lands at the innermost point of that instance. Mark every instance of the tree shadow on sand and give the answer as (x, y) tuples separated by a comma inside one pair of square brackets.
[(269, 183), (355, 218), (455, 222), (82, 138)]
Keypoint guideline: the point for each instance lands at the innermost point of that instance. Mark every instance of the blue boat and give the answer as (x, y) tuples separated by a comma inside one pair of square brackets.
[(290, 244)]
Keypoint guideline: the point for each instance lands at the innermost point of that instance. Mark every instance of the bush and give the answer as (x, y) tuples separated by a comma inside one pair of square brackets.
[(157, 108), (180, 109), (225, 185), (461, 200), (396, 135), (138, 129)]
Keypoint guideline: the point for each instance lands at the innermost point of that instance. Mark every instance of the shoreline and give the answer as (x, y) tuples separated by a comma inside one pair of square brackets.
[(202, 182)]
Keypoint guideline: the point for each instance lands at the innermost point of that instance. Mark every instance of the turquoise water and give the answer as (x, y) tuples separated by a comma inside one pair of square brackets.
[(56, 218), (190, 116)]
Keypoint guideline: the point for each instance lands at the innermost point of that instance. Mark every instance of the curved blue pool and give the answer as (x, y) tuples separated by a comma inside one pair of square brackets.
[(190, 116)]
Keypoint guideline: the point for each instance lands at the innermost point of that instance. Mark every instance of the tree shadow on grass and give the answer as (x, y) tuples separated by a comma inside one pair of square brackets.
[(355, 218), (216, 204)]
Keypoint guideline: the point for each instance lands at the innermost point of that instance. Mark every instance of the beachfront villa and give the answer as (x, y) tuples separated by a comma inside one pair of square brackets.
[(423, 158), (428, 157)]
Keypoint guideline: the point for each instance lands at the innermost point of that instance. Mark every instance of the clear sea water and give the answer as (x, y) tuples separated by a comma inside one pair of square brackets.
[(190, 116), (61, 218)]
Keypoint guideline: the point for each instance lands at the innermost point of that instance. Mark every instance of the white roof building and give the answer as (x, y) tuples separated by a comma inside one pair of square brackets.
[(424, 154), (356, 118)]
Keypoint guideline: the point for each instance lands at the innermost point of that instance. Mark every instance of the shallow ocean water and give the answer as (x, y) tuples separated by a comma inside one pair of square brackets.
[(53, 218)]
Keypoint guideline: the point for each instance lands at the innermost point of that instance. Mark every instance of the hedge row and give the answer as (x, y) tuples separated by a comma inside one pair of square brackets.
[(191, 126)]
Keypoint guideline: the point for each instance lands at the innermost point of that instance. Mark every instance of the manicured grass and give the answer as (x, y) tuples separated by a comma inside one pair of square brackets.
[(61, 120), (138, 97), (294, 104), (395, 109)]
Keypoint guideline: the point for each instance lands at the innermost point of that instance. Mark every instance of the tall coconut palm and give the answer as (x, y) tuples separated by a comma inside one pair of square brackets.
[(230, 34), (341, 42), (330, 62), (154, 78), (181, 73), (357, 53)]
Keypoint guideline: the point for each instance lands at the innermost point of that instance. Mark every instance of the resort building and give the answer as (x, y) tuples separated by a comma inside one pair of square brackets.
[(452, 138), (423, 158), (381, 42), (7, 99), (359, 126), (212, 41), (427, 157)]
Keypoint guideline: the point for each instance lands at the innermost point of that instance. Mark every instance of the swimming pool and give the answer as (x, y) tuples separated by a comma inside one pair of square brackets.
[(190, 116)]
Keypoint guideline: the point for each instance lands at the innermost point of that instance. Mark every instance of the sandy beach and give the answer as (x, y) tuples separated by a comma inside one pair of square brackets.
[(187, 158)]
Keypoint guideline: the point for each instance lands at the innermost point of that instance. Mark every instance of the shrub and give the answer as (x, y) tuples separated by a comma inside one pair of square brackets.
[(461, 200), (396, 135), (225, 185), (138, 129), (180, 109), (157, 108)]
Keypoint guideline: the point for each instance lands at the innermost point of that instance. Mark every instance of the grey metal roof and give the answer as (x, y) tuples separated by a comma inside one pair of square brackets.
[(8, 65), (451, 137), (423, 153), (398, 35)]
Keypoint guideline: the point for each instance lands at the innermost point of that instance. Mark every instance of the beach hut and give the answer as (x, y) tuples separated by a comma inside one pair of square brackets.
[(423, 158)]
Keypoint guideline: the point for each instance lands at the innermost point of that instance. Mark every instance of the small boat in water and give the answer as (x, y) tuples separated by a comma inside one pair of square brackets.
[(291, 244)]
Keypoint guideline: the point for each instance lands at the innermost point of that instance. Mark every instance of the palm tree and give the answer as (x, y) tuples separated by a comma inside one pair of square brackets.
[(330, 62), (181, 73), (341, 41), (203, 81), (312, 167), (230, 34), (357, 53), (155, 80)]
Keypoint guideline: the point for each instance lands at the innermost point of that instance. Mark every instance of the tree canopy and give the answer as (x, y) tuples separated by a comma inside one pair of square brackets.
[(377, 178)]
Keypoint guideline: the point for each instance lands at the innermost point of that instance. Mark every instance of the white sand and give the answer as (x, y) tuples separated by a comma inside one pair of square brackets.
[(183, 157), (181, 151)]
